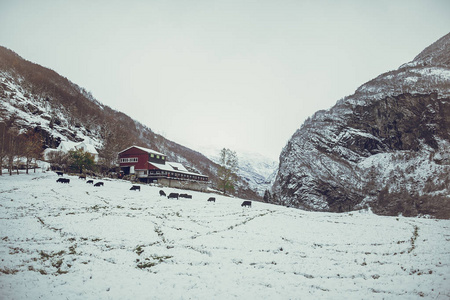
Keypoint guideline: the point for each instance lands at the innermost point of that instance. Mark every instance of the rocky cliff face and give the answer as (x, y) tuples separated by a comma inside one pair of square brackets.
[(387, 146)]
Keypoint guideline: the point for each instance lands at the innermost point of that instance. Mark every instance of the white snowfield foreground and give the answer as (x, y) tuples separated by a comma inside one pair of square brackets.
[(77, 241)]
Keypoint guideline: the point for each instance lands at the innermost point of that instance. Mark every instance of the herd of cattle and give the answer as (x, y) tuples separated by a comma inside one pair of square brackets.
[(246, 203), (67, 180)]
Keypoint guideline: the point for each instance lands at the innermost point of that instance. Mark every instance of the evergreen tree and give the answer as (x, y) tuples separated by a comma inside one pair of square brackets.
[(267, 196), (81, 160)]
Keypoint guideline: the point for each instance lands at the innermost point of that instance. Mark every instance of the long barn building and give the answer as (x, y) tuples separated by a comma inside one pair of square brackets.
[(152, 167)]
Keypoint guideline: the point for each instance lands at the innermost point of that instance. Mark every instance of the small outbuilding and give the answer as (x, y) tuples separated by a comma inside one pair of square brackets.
[(66, 146)]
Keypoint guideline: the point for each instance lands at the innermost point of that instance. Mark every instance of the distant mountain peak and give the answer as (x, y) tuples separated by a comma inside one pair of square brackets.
[(437, 54)]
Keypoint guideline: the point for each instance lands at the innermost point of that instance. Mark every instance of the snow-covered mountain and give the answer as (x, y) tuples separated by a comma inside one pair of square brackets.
[(256, 169), (386, 146), (38, 98)]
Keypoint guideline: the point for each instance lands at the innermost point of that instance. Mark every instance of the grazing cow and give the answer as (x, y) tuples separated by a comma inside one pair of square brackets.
[(99, 184), (246, 203), (212, 199), (135, 188), (59, 173), (82, 177), (161, 193), (173, 195), (187, 196), (90, 181), (63, 180)]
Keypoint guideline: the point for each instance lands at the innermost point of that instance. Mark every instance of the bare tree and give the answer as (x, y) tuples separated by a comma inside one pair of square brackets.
[(59, 159), (13, 148), (115, 139), (6, 137), (32, 147), (228, 168)]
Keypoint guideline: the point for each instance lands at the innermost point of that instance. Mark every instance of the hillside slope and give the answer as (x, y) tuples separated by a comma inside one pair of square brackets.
[(62, 242), (61, 110), (386, 146)]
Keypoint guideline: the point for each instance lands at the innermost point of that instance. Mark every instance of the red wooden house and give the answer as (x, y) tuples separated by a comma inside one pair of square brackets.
[(151, 166)]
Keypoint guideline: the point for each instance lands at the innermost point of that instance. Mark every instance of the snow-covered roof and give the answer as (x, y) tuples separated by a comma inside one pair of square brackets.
[(177, 166), (144, 149), (173, 167), (66, 146), (88, 148)]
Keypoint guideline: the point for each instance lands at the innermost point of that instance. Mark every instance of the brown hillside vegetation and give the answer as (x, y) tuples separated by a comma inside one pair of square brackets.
[(70, 109)]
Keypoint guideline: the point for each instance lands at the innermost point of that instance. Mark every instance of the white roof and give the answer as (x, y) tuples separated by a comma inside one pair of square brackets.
[(173, 167), (177, 166), (144, 149), (89, 148), (66, 146)]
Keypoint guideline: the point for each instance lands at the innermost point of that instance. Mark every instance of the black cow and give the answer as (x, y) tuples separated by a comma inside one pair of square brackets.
[(135, 188), (187, 196), (161, 193), (63, 180), (59, 173), (212, 199), (99, 184), (90, 181), (173, 195), (82, 177), (246, 203)]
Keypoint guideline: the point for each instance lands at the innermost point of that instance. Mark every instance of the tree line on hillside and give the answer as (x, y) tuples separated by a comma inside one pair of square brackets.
[(18, 147), (21, 148)]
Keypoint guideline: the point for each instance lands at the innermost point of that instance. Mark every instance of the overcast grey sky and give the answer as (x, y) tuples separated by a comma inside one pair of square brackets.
[(237, 74)]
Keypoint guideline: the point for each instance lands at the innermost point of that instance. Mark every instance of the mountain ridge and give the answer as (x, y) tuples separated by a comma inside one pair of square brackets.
[(335, 160)]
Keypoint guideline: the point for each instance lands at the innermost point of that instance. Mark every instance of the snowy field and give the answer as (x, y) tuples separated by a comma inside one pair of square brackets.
[(77, 241)]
